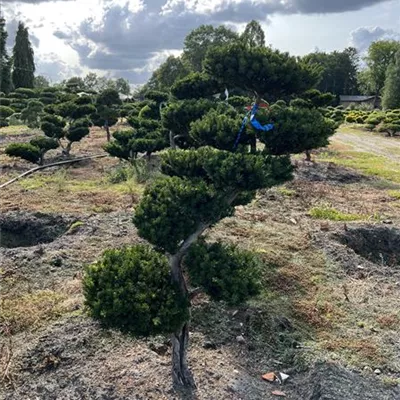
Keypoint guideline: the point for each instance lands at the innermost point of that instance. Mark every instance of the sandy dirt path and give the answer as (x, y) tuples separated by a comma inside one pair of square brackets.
[(370, 143)]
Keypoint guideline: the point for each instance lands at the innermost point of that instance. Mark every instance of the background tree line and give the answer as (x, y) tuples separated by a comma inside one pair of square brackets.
[(340, 72)]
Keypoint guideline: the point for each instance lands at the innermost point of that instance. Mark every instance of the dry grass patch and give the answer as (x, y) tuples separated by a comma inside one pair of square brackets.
[(29, 311)]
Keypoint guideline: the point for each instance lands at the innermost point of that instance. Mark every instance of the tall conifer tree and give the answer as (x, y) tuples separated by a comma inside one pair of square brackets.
[(5, 70), (23, 60)]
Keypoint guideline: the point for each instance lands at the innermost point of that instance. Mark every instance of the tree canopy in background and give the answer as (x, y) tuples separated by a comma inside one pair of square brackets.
[(201, 40), (338, 71), (170, 71), (380, 55), (391, 93), (253, 35)]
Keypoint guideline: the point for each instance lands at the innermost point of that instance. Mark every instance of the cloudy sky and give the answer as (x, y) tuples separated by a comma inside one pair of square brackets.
[(130, 38)]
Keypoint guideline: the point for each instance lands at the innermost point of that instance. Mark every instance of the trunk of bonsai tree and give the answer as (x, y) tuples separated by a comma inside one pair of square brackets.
[(172, 140), (181, 374), (67, 149), (107, 128)]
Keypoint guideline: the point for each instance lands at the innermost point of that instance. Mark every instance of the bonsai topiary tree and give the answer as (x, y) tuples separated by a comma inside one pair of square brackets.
[(31, 114), (120, 147), (147, 135), (107, 110), (128, 110), (54, 126), (33, 151), (77, 130), (204, 183), (203, 187)]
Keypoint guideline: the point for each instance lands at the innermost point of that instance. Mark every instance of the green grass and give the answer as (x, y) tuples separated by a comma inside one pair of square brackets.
[(286, 192), (330, 213), (61, 182), (367, 163), (395, 194), (74, 227)]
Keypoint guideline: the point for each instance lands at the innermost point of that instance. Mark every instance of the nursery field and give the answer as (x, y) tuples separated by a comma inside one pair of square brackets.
[(328, 314)]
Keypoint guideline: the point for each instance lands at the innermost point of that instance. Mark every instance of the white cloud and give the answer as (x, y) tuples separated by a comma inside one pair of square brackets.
[(362, 37), (132, 37)]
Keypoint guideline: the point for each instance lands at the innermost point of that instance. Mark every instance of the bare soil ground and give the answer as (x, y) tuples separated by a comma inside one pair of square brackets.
[(329, 314)]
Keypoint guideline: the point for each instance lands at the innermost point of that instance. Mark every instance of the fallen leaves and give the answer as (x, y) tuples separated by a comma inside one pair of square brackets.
[(279, 393), (270, 377)]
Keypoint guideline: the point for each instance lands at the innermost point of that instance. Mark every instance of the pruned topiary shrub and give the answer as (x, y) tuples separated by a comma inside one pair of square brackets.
[(25, 151), (131, 289), (53, 126), (224, 271), (4, 101), (31, 114), (44, 144), (3, 123), (296, 130), (6, 112), (33, 151), (195, 86), (76, 132)]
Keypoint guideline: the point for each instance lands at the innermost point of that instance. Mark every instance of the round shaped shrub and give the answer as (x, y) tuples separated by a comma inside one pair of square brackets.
[(225, 272), (131, 289), (350, 119), (26, 92), (6, 112), (300, 103), (360, 120), (157, 96), (149, 112), (84, 99), (4, 101), (44, 143), (15, 119), (239, 101), (83, 110), (24, 150), (16, 95)]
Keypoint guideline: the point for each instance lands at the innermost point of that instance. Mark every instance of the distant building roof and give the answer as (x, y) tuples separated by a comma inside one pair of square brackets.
[(355, 99)]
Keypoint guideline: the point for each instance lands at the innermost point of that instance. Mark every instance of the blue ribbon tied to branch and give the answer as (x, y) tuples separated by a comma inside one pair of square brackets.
[(254, 123)]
